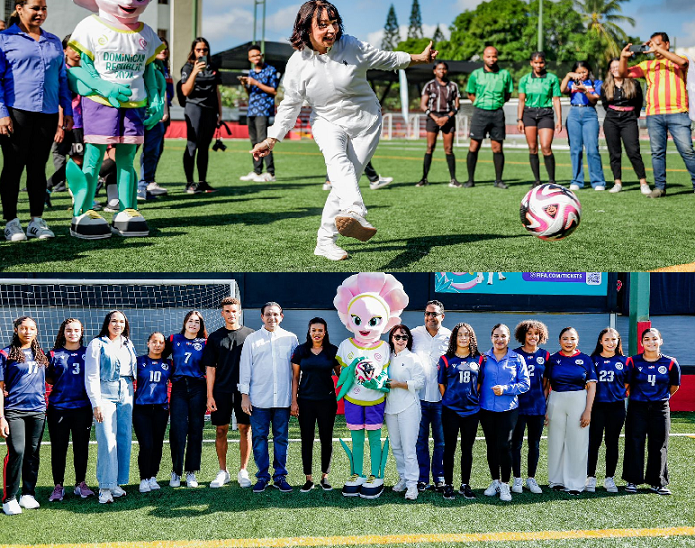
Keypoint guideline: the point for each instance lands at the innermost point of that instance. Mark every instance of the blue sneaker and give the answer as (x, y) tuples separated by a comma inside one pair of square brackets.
[(260, 486), (282, 485)]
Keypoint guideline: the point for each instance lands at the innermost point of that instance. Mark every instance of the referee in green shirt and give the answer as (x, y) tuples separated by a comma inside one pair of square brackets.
[(489, 88), (539, 95)]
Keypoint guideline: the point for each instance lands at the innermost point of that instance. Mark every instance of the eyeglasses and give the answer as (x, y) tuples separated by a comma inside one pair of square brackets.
[(433, 314), (400, 337)]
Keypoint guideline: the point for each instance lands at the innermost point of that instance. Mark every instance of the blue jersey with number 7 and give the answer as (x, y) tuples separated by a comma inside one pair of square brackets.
[(187, 355)]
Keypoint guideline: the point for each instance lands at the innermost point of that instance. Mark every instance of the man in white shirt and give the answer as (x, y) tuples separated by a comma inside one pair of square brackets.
[(430, 342), (265, 383)]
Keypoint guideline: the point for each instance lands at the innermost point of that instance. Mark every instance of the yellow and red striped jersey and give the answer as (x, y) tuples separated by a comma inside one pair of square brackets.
[(666, 88)]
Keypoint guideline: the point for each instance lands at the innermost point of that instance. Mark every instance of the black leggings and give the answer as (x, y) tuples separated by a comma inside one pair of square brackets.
[(623, 126), (28, 146), (150, 423), (23, 448), (62, 422), (187, 403), (498, 429), (535, 431), (452, 423), (200, 129), (311, 413), (652, 421), (609, 417)]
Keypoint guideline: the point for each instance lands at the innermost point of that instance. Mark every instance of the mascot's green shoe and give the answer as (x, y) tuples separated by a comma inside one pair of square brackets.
[(90, 226), (129, 223)]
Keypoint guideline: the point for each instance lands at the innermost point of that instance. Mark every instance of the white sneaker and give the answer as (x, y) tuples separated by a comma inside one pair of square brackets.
[(327, 185), (118, 492), (381, 183), (221, 478), (330, 251), (113, 205), (352, 225), (644, 189), (250, 177), (39, 229), (411, 493), (14, 232), (609, 484), (599, 187), (505, 495), (616, 188), (575, 187), (243, 478), (400, 486), (264, 178), (191, 481), (175, 480), (518, 485), (156, 190), (11, 507), (154, 486), (145, 486), (28, 502), (105, 496), (493, 489), (533, 486), (590, 485)]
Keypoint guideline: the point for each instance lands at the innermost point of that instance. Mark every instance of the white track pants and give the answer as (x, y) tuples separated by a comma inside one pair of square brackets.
[(403, 430), (345, 159), (568, 442)]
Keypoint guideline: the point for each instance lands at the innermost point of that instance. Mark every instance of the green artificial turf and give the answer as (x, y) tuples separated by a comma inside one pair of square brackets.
[(248, 226)]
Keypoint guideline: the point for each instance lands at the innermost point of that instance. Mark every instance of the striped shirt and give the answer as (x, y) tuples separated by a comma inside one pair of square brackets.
[(666, 85), (441, 97)]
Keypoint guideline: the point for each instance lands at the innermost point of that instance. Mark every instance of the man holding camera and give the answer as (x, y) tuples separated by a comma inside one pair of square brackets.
[(667, 104), (261, 85)]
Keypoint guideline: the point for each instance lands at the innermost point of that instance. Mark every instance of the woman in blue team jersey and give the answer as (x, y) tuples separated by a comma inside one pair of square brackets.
[(22, 414), (457, 375), (69, 411), (188, 398), (608, 412), (530, 333), (653, 378), (151, 410), (503, 376), (571, 377)]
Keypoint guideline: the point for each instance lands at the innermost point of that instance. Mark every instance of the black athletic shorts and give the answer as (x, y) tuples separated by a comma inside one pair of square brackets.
[(488, 122), (226, 403), (539, 117), (447, 128)]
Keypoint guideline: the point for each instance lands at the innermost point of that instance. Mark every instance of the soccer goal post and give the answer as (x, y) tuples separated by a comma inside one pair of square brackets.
[(152, 304)]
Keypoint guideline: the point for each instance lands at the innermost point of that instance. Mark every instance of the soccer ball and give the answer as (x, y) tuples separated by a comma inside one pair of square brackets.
[(364, 371), (550, 212)]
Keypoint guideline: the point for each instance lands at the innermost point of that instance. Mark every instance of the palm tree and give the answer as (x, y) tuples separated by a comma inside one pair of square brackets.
[(602, 19)]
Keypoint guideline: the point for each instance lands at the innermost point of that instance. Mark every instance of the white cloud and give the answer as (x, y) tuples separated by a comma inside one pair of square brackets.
[(686, 38), (282, 20), (235, 24), (463, 5)]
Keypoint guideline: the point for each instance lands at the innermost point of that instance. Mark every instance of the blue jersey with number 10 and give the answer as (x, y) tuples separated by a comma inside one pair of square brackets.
[(187, 355), (533, 401), (66, 368), (153, 381)]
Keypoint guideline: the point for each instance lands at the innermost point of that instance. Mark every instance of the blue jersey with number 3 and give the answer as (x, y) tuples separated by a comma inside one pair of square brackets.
[(460, 379), (533, 401), (153, 380), (651, 381), (612, 378), (66, 368), (25, 382), (187, 355)]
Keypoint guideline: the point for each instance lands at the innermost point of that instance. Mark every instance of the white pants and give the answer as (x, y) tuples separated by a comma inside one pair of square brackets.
[(345, 159), (568, 442), (403, 430)]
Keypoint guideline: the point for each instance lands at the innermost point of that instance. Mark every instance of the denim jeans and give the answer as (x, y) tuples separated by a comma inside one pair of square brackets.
[(151, 151), (187, 404), (582, 129), (431, 415), (115, 437), (659, 125), (260, 426)]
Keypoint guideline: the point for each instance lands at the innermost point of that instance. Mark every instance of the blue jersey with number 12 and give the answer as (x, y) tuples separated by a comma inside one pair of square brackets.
[(533, 401), (187, 355), (153, 380), (66, 368)]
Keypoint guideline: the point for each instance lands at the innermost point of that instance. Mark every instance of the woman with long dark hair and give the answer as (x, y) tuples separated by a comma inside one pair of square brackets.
[(313, 398), (22, 414)]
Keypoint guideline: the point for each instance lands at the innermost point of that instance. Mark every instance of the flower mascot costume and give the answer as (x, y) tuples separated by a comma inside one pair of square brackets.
[(368, 304), (123, 94)]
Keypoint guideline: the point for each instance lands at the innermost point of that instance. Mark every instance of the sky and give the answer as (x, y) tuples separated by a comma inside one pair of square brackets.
[(228, 23)]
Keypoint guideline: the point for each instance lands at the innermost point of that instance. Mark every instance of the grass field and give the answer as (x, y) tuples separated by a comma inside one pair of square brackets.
[(272, 226), (203, 517)]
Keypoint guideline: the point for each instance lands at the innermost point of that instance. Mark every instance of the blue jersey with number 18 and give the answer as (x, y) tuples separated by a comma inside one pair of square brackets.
[(66, 368), (460, 379), (187, 355), (153, 380)]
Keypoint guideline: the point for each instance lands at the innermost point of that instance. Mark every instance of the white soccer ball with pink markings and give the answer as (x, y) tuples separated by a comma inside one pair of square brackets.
[(550, 212)]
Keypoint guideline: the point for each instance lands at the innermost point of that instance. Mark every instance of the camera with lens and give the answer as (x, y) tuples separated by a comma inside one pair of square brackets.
[(219, 145)]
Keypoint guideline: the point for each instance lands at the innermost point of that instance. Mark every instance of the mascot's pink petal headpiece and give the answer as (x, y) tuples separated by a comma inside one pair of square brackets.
[(383, 287)]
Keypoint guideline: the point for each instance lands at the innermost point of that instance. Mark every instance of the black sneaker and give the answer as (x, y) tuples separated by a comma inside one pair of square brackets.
[(449, 492), (500, 184), (192, 188), (439, 486), (422, 182), (421, 486), (308, 486), (660, 490), (203, 186), (574, 492), (468, 184), (325, 485), (466, 491), (630, 488), (454, 184)]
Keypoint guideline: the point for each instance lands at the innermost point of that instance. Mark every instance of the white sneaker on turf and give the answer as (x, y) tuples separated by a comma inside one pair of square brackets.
[(505, 495), (11, 507), (14, 232), (112, 206), (381, 183), (609, 484), (493, 489), (575, 187), (400, 486), (327, 185), (264, 178), (590, 484), (644, 189), (156, 190), (118, 491), (533, 486), (154, 486), (411, 493), (352, 225), (191, 480), (145, 486), (243, 478), (28, 502), (250, 177), (330, 251), (175, 480), (105, 496), (518, 485), (599, 187), (39, 229), (616, 188), (221, 478)]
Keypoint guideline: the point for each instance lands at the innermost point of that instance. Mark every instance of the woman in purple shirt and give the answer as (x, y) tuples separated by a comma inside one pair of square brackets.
[(33, 84)]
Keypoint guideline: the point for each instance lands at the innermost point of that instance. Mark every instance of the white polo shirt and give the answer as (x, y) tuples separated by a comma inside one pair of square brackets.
[(429, 349)]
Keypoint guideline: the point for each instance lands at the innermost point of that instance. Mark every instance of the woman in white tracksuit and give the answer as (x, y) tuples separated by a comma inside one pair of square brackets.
[(402, 412), (329, 72)]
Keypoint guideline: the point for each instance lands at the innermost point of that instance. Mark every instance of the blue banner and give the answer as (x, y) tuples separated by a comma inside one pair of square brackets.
[(523, 283)]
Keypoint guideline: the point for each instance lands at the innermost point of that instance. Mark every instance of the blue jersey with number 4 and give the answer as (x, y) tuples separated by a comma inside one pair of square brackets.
[(153, 380), (651, 381), (25, 382), (612, 378), (66, 368), (460, 379), (187, 355), (533, 401)]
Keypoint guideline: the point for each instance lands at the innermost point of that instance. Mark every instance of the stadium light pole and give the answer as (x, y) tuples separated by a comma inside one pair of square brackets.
[(639, 309), (255, 19), (540, 25), (195, 19)]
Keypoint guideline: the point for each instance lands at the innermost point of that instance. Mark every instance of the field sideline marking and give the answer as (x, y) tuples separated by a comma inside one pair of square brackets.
[(370, 540)]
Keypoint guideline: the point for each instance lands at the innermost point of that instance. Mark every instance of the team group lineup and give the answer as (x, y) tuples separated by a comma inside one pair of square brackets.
[(427, 384)]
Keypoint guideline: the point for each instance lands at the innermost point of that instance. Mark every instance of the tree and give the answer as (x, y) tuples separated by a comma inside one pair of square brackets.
[(392, 34), (415, 28), (438, 36), (602, 18)]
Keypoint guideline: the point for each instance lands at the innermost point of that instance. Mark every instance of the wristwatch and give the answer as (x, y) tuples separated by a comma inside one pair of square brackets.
[(428, 112)]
